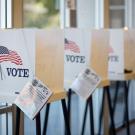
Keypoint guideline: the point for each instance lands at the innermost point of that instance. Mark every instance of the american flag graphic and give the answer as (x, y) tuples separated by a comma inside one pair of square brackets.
[(8, 55), (72, 46), (110, 49)]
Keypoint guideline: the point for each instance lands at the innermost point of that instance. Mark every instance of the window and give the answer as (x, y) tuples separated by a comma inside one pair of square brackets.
[(5, 14), (41, 13)]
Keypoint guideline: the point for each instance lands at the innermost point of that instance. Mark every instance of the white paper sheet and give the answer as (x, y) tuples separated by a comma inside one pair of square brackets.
[(33, 97), (86, 82)]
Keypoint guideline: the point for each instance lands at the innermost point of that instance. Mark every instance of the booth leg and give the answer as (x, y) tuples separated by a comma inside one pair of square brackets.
[(90, 103), (110, 111), (17, 128), (69, 104), (46, 119), (65, 113), (115, 101), (126, 108), (115, 97), (6, 121), (91, 115), (128, 85), (101, 113), (84, 118), (38, 124)]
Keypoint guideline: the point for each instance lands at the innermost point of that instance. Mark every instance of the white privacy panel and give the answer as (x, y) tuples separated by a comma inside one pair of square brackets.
[(77, 53), (17, 62)]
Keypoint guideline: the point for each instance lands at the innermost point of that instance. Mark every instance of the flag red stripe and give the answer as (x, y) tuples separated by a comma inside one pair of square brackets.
[(12, 57), (11, 60), (72, 46)]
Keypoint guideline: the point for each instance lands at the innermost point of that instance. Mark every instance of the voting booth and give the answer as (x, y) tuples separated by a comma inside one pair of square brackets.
[(129, 58), (17, 63), (121, 53), (50, 62), (24, 55), (17, 67), (85, 48), (99, 63), (121, 67), (99, 53), (24, 51), (50, 70), (76, 53)]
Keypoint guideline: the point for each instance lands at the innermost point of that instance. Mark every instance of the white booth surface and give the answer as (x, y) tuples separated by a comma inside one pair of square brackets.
[(116, 52), (121, 53), (76, 54), (17, 52)]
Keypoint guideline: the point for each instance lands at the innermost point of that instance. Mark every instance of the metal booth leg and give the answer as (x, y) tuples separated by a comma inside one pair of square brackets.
[(69, 104), (91, 115), (128, 85), (38, 124), (46, 118), (115, 101), (115, 97), (126, 107), (84, 118), (90, 103), (101, 113), (110, 111), (6, 121), (65, 113), (17, 127)]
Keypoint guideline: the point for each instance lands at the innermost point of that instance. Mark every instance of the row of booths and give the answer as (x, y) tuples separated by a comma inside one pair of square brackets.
[(57, 56)]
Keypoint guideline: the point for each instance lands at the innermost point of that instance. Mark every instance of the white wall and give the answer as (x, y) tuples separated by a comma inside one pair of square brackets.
[(86, 13), (90, 13), (2, 14), (130, 13)]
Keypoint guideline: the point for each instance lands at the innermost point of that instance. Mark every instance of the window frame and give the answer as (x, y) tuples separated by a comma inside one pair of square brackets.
[(17, 13)]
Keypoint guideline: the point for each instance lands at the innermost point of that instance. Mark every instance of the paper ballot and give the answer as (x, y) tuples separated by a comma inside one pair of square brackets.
[(85, 83), (33, 97)]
